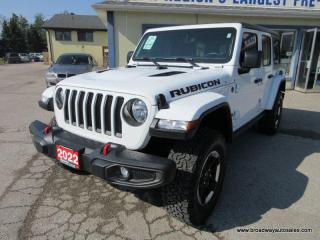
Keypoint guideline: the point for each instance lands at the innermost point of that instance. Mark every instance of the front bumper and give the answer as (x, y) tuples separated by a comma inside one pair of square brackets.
[(146, 171)]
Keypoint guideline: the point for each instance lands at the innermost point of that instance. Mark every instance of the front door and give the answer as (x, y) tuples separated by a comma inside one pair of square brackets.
[(248, 95), (309, 66)]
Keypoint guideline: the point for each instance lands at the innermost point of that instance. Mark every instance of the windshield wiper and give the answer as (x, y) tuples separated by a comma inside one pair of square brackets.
[(154, 61), (186, 59)]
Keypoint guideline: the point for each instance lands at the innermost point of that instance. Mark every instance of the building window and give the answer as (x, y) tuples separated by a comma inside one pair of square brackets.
[(287, 43), (276, 51), (85, 36), (249, 42), (266, 50), (63, 35)]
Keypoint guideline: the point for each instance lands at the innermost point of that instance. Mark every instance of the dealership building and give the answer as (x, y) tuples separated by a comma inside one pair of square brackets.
[(298, 21)]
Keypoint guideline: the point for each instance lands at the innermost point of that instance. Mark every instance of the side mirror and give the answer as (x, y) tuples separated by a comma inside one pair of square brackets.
[(251, 59), (129, 55), (46, 101), (53, 62)]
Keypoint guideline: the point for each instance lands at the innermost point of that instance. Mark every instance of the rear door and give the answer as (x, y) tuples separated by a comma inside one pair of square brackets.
[(267, 69)]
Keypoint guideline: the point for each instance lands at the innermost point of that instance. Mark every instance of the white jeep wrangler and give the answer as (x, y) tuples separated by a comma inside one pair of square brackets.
[(164, 120)]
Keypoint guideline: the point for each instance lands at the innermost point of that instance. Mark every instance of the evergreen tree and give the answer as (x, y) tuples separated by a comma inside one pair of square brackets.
[(24, 26), (36, 35), (18, 36), (4, 38)]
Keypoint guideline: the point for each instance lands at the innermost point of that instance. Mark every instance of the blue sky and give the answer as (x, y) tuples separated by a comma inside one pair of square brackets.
[(28, 8)]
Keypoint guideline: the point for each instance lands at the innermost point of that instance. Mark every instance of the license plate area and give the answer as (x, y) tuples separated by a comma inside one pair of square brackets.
[(67, 156)]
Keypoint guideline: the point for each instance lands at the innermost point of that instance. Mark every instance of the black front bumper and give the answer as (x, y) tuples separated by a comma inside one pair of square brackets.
[(146, 171)]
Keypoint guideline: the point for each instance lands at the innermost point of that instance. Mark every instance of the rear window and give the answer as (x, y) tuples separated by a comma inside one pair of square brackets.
[(266, 50), (276, 51)]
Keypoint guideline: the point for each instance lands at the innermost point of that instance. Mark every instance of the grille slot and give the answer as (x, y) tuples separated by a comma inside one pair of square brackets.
[(88, 111), (73, 107), (118, 124), (80, 109), (66, 106), (93, 111), (98, 112), (107, 114)]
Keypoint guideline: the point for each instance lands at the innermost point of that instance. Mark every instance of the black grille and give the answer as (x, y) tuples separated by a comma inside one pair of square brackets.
[(66, 106), (107, 114), (118, 116), (62, 75), (97, 112), (73, 107), (88, 111), (138, 174), (80, 111)]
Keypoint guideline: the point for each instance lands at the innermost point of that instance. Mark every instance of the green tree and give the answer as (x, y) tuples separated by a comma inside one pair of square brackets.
[(36, 35), (4, 38), (19, 36), (24, 26), (16, 39)]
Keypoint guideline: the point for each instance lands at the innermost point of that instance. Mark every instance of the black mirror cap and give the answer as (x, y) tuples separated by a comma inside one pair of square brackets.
[(129, 55), (252, 59)]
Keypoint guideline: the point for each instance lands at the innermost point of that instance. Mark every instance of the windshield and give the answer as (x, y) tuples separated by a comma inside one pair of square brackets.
[(212, 45), (73, 59)]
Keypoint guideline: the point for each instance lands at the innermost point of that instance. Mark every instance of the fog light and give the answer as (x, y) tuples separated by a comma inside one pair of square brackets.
[(124, 172)]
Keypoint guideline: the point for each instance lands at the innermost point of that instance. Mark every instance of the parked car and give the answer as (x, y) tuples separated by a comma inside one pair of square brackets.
[(24, 57), (36, 57), (39, 57), (68, 65), (12, 58), (164, 121)]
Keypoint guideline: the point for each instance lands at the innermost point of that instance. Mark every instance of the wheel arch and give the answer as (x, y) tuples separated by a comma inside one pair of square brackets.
[(207, 109), (218, 118), (279, 84)]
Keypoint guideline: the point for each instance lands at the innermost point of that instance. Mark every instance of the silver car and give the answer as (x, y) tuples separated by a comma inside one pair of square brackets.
[(24, 57), (68, 65)]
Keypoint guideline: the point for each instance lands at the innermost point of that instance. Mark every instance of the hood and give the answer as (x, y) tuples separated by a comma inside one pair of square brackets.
[(69, 68), (173, 82)]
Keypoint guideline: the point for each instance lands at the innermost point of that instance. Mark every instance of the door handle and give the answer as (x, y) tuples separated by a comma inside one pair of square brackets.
[(270, 76), (258, 80)]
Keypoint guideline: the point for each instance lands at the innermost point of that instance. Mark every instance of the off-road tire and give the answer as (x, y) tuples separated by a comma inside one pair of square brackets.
[(180, 197), (269, 124)]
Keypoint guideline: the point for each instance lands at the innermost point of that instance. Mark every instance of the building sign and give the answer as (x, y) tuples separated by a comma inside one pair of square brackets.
[(279, 4)]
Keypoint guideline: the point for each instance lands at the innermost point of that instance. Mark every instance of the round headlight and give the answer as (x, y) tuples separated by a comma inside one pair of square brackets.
[(139, 111), (135, 112), (59, 98)]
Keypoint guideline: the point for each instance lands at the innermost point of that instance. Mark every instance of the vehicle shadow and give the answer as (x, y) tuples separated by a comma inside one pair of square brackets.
[(262, 174), (301, 123)]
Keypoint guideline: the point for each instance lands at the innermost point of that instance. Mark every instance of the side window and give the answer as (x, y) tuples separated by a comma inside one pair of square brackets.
[(249, 42), (266, 50), (63, 35), (276, 51), (85, 36)]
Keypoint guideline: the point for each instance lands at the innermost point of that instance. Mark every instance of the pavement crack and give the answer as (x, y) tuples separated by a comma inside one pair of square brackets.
[(19, 173)]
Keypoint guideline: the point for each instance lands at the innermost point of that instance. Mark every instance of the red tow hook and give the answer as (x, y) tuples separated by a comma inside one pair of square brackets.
[(105, 149), (47, 130)]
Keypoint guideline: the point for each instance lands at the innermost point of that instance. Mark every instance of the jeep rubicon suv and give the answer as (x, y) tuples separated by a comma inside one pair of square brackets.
[(191, 88)]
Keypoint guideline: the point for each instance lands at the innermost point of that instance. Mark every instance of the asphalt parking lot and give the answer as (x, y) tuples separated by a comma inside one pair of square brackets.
[(271, 183)]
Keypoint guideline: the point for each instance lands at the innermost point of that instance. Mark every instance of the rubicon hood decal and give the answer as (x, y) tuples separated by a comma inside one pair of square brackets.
[(194, 88)]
